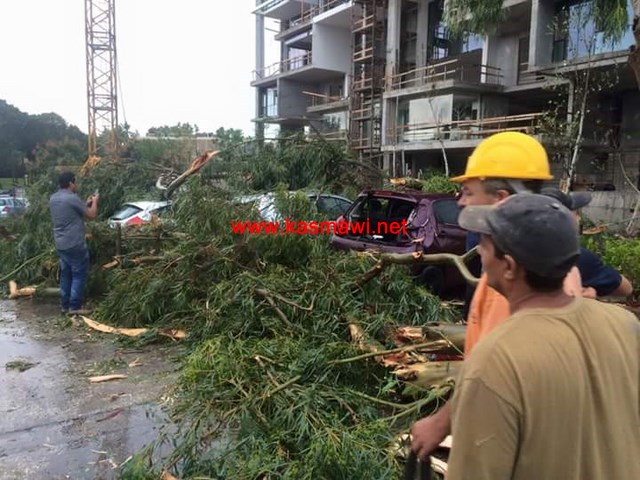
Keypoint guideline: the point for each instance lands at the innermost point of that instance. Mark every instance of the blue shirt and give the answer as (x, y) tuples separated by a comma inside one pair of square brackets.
[(595, 274)]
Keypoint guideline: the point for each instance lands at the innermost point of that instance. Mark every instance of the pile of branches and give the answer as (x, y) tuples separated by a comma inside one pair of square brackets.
[(302, 360), (289, 374)]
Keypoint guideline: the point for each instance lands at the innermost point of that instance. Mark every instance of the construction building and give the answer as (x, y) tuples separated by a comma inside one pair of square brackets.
[(387, 77)]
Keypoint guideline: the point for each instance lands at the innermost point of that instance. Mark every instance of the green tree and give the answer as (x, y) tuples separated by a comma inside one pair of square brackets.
[(177, 130)]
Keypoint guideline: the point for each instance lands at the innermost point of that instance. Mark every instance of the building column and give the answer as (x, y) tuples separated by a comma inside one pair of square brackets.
[(259, 126), (393, 37), (541, 38), (423, 33)]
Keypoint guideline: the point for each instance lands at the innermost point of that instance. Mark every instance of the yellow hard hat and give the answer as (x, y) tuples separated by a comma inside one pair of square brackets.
[(508, 155)]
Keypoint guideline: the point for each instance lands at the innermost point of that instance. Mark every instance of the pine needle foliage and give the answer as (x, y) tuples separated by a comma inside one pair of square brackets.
[(261, 394)]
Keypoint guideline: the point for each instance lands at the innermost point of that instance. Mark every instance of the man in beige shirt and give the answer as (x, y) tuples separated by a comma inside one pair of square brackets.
[(552, 393)]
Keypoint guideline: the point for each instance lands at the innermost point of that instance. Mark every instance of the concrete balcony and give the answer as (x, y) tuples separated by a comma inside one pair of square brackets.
[(319, 13), (283, 9), (324, 103), (286, 66), (457, 134), (463, 70)]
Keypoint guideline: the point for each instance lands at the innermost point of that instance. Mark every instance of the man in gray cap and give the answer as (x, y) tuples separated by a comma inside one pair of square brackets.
[(553, 391)]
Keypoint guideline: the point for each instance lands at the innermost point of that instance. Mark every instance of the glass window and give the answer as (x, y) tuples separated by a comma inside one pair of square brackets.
[(269, 103), (126, 212), (577, 34), (446, 211)]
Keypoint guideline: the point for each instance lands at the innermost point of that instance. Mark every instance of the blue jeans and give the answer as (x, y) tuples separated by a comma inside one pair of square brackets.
[(74, 270)]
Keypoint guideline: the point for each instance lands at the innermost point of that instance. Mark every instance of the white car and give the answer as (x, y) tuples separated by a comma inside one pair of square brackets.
[(137, 213), (331, 205)]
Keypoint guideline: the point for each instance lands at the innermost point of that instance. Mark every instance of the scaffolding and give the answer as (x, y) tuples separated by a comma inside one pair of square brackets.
[(367, 80), (102, 99)]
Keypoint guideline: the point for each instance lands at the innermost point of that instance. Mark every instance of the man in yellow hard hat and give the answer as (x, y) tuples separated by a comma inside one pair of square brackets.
[(501, 165)]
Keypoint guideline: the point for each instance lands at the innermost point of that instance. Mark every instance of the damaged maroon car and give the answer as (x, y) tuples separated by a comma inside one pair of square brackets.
[(429, 224)]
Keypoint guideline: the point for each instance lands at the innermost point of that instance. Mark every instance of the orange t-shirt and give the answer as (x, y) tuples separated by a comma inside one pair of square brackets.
[(489, 308)]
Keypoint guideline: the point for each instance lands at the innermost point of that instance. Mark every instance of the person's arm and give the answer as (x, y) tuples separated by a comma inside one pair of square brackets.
[(485, 434), (601, 278), (91, 211), (624, 289), (426, 434)]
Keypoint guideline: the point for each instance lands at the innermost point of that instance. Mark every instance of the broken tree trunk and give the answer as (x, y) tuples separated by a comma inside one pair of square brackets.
[(418, 258), (195, 166), (15, 292)]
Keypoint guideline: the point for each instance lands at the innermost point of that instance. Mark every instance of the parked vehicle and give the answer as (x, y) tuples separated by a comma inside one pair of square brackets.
[(331, 205), (137, 213), (10, 206), (431, 227)]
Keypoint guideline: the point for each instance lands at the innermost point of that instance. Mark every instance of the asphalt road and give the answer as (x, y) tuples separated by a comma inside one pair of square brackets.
[(54, 423)]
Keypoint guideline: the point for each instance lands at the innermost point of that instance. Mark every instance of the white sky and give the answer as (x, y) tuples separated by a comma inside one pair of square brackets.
[(179, 61)]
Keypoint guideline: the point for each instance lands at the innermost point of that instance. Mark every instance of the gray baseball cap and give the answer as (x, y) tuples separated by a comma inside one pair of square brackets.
[(573, 201), (538, 231)]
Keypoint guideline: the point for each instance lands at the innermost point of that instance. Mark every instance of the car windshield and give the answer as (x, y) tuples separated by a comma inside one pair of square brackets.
[(126, 212), (379, 213), (333, 207)]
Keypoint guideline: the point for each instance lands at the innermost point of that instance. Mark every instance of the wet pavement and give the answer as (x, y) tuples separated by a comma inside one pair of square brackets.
[(54, 423)]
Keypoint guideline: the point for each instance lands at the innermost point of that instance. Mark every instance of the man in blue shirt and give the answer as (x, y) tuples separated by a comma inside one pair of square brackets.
[(68, 213), (598, 279)]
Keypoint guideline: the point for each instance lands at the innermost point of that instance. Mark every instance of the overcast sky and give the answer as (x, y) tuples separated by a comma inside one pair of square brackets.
[(179, 61)]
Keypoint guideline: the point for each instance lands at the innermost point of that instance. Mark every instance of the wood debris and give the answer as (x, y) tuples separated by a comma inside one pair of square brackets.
[(132, 332), (107, 378)]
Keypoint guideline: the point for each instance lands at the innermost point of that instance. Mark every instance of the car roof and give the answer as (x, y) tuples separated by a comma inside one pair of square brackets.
[(146, 204), (270, 195), (413, 195)]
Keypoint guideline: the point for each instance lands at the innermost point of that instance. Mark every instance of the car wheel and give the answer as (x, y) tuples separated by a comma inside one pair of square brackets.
[(432, 278)]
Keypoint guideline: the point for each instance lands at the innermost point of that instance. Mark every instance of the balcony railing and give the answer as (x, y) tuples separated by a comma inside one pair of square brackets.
[(463, 129), (319, 99), (332, 136), (306, 17), (286, 65), (454, 69), (268, 5)]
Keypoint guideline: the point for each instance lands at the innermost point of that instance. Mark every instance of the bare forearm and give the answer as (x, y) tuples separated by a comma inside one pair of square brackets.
[(624, 289), (92, 210), (430, 431)]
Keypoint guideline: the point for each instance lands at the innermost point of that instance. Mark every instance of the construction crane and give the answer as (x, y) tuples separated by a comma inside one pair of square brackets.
[(102, 87)]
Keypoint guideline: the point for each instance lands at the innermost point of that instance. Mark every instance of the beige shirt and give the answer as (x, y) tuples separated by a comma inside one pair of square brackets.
[(551, 394)]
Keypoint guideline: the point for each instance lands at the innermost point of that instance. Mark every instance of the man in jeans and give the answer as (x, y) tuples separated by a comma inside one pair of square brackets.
[(68, 212)]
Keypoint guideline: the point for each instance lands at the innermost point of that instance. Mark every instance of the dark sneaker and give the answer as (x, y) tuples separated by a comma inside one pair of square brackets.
[(80, 311)]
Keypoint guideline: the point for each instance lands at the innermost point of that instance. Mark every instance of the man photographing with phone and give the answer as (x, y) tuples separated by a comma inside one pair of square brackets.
[(68, 213)]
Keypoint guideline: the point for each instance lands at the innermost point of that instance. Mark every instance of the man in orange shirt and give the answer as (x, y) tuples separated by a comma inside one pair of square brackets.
[(501, 165)]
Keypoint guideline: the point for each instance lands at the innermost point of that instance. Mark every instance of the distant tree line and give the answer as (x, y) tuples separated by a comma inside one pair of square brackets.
[(22, 135)]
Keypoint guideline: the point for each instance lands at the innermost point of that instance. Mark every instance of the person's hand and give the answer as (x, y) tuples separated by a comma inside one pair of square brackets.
[(426, 435), (589, 292)]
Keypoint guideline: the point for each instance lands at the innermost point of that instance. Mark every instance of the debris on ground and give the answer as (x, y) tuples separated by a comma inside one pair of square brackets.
[(107, 378), (20, 365)]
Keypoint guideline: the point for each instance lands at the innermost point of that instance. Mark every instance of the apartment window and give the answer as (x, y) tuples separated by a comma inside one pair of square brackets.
[(336, 90), (269, 102), (442, 44), (577, 34), (334, 122), (465, 108)]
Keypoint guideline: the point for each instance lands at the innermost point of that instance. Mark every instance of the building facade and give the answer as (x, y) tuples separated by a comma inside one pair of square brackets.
[(387, 77)]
